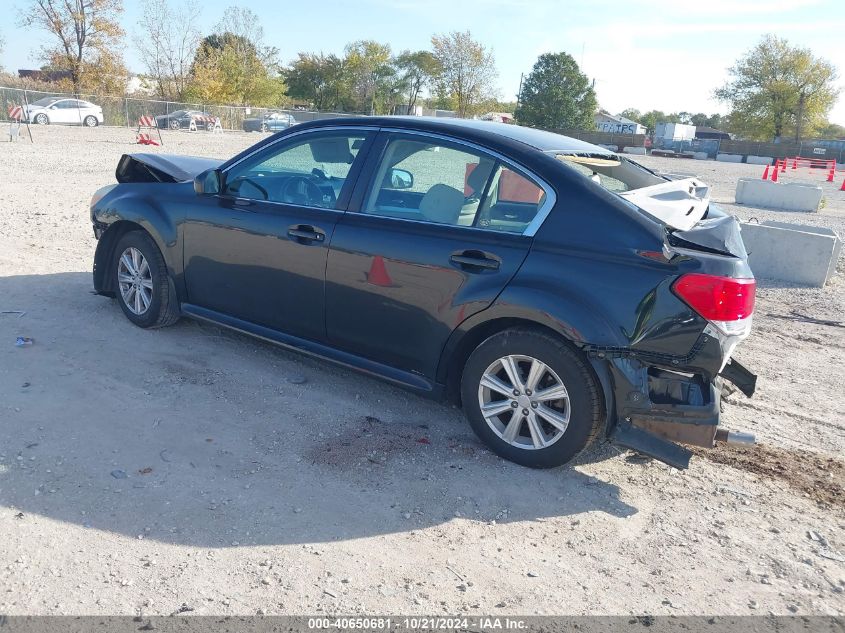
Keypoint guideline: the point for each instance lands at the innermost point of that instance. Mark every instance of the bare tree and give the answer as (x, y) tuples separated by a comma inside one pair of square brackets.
[(86, 30), (168, 41), (467, 70), (245, 25)]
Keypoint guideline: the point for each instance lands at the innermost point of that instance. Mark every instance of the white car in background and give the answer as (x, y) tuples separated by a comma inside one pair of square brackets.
[(61, 110)]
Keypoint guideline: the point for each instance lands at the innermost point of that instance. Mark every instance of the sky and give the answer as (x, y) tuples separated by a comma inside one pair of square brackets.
[(667, 56)]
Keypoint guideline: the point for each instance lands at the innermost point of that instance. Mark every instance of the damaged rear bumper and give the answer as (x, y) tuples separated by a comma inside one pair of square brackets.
[(659, 409)]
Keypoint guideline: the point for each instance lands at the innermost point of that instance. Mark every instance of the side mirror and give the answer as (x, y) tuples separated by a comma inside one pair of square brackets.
[(401, 179), (209, 182)]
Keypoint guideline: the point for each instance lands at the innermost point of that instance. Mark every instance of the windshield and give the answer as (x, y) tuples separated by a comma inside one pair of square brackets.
[(45, 101)]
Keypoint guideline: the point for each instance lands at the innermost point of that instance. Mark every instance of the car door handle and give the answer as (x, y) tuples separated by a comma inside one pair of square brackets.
[(305, 233), (469, 260)]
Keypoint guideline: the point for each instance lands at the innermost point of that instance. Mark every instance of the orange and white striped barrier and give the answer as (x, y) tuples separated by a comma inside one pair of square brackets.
[(210, 123), (16, 119), (146, 138)]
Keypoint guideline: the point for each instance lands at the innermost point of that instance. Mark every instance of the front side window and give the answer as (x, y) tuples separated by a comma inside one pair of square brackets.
[(433, 181), (309, 170)]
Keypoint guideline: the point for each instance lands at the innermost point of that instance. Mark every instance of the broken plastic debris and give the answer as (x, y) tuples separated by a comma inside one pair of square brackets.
[(23, 341)]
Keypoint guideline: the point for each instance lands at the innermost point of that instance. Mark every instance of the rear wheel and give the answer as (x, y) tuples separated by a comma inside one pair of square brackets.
[(41, 119), (531, 398), (144, 291), (174, 124), (91, 121)]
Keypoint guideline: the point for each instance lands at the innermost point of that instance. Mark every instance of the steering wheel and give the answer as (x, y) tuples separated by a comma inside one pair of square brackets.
[(301, 190), (241, 180)]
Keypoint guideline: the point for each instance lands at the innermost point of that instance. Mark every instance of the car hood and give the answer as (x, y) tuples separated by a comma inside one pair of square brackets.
[(162, 167)]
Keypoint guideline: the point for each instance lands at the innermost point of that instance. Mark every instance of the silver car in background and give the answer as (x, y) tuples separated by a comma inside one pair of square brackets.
[(61, 110)]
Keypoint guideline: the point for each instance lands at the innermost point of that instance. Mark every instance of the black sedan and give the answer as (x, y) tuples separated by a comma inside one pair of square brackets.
[(181, 119), (558, 292)]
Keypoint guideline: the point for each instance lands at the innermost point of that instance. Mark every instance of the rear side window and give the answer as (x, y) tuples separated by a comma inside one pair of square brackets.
[(512, 203)]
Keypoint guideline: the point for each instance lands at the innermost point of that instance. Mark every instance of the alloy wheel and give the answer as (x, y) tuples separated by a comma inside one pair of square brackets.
[(135, 280), (524, 402)]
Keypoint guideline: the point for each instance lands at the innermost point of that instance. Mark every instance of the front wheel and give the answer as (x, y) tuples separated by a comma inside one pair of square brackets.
[(175, 125), (531, 398), (41, 119), (91, 121), (144, 291)]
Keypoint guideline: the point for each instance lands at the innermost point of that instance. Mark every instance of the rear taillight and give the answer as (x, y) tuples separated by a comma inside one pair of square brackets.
[(717, 299)]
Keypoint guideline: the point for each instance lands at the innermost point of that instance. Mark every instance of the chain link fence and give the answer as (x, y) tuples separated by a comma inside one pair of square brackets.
[(125, 111)]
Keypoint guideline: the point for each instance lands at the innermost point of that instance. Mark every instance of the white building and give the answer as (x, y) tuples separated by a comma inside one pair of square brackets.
[(675, 131), (617, 124)]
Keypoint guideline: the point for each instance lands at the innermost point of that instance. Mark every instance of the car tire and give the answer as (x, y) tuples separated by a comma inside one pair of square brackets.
[(143, 288), (91, 121), (174, 125), (41, 119), (264, 127), (539, 432)]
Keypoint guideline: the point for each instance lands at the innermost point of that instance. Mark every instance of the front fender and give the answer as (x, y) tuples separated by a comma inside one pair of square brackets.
[(128, 208)]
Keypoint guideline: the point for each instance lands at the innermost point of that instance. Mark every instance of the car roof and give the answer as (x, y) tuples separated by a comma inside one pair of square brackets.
[(540, 140)]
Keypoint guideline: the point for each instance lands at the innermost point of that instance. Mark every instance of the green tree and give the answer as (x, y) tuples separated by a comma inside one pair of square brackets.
[(318, 79), (371, 73), (557, 95), (776, 89), (233, 66), (631, 113), (467, 71), (831, 131), (87, 38), (418, 71)]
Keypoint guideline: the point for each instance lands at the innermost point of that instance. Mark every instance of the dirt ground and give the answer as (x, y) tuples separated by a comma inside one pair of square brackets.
[(193, 468)]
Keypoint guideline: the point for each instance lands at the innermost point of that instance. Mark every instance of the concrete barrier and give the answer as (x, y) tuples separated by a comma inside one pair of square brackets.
[(759, 160), (634, 150), (729, 158), (791, 252), (819, 230), (793, 196), (700, 155)]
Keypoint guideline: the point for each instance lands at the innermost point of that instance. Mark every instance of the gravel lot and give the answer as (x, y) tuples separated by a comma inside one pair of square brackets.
[(146, 470)]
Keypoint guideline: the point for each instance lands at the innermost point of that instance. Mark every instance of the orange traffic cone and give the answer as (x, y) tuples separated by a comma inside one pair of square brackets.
[(783, 165), (378, 273), (775, 175), (766, 173), (830, 175), (795, 164), (842, 188)]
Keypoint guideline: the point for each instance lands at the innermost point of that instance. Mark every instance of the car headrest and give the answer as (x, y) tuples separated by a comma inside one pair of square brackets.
[(442, 204), (478, 177)]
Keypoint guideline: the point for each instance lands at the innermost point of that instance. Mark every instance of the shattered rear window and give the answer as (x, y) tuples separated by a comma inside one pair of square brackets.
[(610, 171)]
